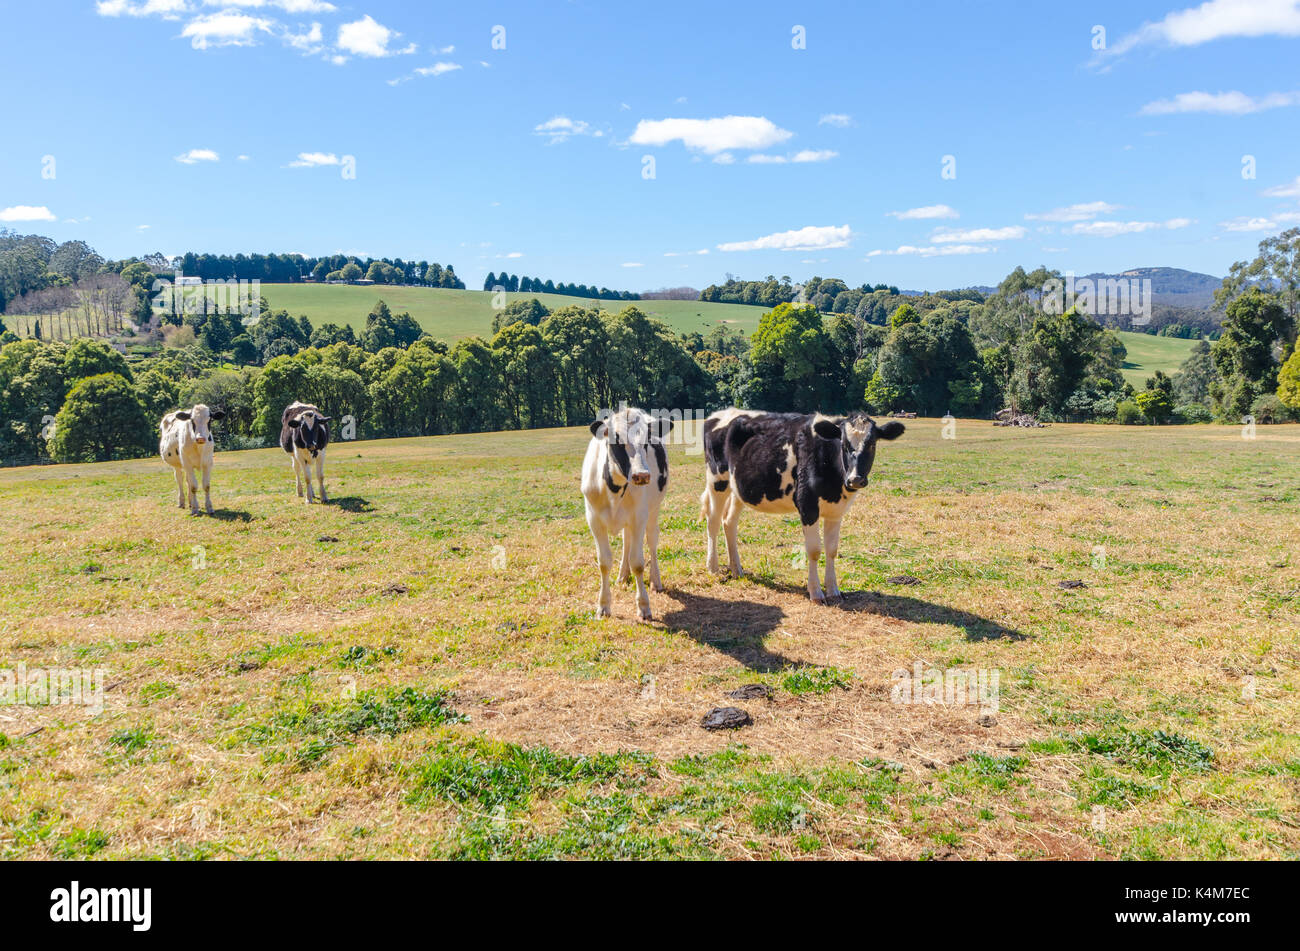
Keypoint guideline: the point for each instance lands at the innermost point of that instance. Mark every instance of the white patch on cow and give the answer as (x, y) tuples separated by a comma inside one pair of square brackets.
[(630, 507)]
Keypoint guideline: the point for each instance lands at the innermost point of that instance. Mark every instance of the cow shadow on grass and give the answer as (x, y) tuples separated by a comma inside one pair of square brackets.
[(736, 628), (904, 608), (231, 515), (353, 503)]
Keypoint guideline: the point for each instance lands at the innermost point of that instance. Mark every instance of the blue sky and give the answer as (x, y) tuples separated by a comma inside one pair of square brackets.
[(230, 125)]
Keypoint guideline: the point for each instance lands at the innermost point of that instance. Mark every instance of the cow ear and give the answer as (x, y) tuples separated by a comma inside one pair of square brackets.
[(891, 430), (295, 423), (219, 414), (183, 414), (598, 428), (324, 419), (826, 429)]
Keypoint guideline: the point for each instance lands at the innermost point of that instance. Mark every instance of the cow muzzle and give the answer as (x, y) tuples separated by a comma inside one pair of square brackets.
[(200, 440), (640, 478), (856, 483)]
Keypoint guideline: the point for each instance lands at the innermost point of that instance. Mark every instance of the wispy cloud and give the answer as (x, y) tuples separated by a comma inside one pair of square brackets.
[(1289, 190), (839, 119), (1262, 223), (1220, 103), (1113, 229), (811, 238), (631, 264), (678, 254), (923, 213), (194, 156), (227, 28), (711, 135), (933, 250), (1011, 233), (562, 128), (1213, 20), (1080, 212)]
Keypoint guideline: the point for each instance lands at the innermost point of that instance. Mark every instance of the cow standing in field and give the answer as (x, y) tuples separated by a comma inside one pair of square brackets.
[(304, 434), (813, 465), (185, 444), (624, 476)]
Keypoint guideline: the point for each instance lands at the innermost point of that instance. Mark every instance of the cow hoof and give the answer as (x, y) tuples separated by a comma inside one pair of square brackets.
[(602, 613), (646, 614), (658, 588)]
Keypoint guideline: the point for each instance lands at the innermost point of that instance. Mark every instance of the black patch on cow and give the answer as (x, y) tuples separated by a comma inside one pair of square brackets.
[(721, 485), (661, 459)]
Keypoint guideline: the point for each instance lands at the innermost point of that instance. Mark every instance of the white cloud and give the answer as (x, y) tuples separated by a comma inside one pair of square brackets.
[(1271, 223), (226, 28), (242, 158), (365, 37), (26, 213), (1012, 233), (929, 251), (711, 135), (561, 128), (314, 159), (814, 155), (924, 212), (1214, 20), (167, 9), (811, 238), (678, 254), (1080, 212), (1113, 229), (724, 158), (1289, 190), (311, 42), (1220, 103), (437, 69), (762, 159), (836, 119), (198, 155), (288, 6), (515, 254), (632, 264), (445, 50), (141, 227)]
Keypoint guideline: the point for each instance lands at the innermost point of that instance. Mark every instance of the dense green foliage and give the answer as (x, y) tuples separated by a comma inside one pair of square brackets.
[(519, 284)]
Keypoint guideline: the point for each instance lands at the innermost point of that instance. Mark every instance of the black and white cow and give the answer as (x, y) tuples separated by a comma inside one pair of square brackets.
[(624, 476), (185, 444), (304, 434), (812, 465)]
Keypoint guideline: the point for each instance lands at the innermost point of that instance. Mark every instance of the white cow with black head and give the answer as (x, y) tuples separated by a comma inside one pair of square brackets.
[(304, 434), (624, 477), (185, 444)]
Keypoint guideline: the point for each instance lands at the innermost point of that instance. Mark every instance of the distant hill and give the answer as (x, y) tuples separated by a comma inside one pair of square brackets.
[(1172, 285)]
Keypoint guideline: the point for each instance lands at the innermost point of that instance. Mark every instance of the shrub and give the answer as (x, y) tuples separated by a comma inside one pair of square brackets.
[(1270, 409), (1129, 413), (1193, 413)]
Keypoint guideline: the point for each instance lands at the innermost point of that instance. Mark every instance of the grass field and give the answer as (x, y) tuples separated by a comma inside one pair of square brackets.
[(414, 669), (1148, 353), (450, 315)]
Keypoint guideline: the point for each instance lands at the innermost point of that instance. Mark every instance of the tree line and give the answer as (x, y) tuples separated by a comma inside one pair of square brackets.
[(519, 284)]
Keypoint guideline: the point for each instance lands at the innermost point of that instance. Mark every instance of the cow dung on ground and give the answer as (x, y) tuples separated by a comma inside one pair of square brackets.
[(726, 718), (903, 579), (752, 692), (1071, 584)]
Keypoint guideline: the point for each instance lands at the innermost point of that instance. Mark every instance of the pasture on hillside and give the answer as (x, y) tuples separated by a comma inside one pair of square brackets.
[(450, 315), (414, 669)]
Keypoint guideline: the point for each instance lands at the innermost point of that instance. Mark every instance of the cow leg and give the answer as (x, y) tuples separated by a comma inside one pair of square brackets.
[(624, 567), (812, 546), (636, 557), (306, 477), (207, 487), (714, 504), (652, 546), (731, 525), (191, 476), (320, 476), (180, 486), (605, 557), (832, 549), (297, 472)]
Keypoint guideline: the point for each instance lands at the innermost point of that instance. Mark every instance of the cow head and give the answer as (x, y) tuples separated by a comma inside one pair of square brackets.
[(629, 434), (308, 419), (857, 435), (198, 417)]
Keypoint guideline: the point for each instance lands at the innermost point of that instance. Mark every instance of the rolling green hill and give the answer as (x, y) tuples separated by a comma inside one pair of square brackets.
[(450, 315)]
